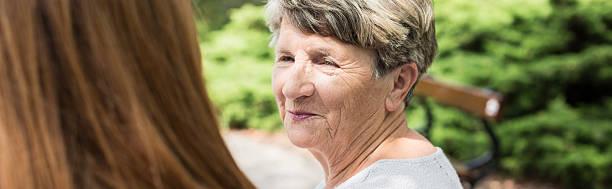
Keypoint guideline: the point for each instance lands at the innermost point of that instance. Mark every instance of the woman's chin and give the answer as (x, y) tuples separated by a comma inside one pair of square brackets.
[(303, 137)]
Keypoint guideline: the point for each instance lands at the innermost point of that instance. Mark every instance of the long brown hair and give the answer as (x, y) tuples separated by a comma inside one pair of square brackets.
[(106, 94)]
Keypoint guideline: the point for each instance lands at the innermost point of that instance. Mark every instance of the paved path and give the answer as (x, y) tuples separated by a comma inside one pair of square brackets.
[(271, 162)]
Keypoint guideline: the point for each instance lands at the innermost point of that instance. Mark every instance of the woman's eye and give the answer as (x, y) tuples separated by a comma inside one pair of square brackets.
[(330, 63), (286, 59)]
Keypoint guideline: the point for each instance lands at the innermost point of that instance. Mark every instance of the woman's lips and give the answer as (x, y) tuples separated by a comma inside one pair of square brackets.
[(300, 116)]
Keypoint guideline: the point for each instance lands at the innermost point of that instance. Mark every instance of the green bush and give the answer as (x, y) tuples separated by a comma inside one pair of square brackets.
[(238, 66), (550, 58)]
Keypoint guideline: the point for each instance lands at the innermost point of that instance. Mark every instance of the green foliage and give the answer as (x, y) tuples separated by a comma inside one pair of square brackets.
[(238, 66), (213, 13), (550, 59), (561, 143)]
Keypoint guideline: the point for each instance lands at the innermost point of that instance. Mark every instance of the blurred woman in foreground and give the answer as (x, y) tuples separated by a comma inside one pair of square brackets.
[(106, 94)]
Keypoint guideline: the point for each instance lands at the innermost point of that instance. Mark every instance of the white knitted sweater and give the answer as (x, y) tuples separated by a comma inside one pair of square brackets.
[(430, 172)]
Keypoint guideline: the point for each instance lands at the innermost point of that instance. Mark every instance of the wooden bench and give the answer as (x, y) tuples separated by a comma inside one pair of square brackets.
[(482, 104)]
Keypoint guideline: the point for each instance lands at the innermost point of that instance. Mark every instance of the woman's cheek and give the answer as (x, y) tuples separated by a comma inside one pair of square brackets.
[(278, 80), (277, 86), (333, 92)]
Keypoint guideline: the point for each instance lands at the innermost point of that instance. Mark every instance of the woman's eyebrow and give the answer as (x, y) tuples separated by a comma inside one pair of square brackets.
[(284, 51), (320, 51)]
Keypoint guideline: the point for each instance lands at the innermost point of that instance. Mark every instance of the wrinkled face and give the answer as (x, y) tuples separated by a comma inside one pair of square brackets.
[(325, 89)]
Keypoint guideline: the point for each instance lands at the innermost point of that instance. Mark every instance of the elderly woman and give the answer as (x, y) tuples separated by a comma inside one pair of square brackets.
[(343, 75)]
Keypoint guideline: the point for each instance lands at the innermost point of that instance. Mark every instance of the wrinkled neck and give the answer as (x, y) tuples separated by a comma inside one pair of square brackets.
[(355, 148)]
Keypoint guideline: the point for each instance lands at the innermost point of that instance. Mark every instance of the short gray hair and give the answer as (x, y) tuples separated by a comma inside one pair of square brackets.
[(400, 31)]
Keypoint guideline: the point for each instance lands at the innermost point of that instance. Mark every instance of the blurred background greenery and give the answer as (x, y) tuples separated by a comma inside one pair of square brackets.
[(551, 59)]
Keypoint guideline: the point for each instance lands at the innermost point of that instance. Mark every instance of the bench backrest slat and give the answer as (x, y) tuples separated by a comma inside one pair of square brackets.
[(482, 103)]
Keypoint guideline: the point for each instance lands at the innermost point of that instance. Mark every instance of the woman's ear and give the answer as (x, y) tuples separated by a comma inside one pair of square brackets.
[(404, 77)]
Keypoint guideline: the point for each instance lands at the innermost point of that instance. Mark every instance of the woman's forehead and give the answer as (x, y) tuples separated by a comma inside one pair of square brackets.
[(292, 39), (290, 35)]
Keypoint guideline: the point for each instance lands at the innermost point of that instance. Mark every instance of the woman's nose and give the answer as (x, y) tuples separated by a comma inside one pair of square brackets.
[(298, 84)]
